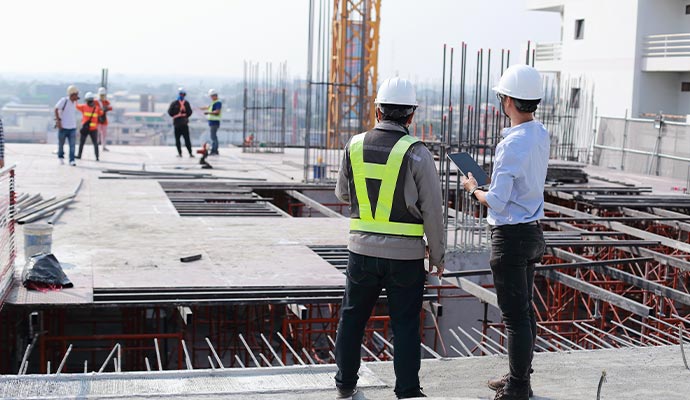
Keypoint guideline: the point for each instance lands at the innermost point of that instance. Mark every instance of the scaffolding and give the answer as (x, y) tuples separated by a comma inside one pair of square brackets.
[(263, 125), (341, 80)]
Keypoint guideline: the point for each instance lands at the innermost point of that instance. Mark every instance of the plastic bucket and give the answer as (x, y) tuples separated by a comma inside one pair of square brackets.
[(38, 238)]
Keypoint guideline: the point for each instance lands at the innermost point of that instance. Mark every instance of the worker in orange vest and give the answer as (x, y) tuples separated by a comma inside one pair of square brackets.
[(103, 119), (89, 121)]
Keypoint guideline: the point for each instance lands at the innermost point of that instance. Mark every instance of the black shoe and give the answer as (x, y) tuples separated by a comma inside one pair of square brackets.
[(213, 153), (346, 393), (191, 155), (499, 383), (512, 393), (412, 394), (78, 157), (179, 156)]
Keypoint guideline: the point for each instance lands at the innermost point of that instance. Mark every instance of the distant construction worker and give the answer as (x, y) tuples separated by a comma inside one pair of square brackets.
[(390, 180), (103, 119), (180, 110), (515, 201), (213, 114), (66, 123), (90, 112)]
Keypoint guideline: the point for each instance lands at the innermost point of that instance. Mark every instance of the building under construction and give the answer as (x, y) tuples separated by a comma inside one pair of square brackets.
[(226, 282)]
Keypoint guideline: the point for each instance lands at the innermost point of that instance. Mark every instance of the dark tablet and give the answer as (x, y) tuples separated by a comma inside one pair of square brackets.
[(465, 163)]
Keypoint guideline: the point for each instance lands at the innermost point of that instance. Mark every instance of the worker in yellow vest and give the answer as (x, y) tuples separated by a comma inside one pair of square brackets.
[(213, 114), (390, 180)]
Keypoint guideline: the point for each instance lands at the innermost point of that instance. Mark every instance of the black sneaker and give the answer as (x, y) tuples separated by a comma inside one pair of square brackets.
[(346, 393), (179, 156), (499, 383), (511, 394), (412, 394), (190, 155)]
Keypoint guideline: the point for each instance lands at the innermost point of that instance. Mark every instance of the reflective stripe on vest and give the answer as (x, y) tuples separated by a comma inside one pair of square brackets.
[(213, 117), (388, 175)]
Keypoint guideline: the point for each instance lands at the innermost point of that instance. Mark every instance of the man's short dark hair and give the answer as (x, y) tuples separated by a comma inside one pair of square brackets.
[(526, 106), (396, 112)]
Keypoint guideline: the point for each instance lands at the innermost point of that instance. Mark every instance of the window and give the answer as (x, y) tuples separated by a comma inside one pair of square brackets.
[(579, 29), (575, 97), (687, 9), (685, 87)]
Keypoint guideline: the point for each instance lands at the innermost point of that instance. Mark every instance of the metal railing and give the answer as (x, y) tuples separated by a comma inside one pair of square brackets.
[(548, 51), (667, 45), (7, 241)]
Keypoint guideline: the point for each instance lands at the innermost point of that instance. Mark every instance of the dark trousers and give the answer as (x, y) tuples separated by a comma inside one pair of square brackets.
[(514, 251), (94, 139), (404, 283), (182, 130)]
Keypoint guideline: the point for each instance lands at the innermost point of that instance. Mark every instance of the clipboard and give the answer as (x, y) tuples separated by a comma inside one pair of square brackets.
[(465, 164)]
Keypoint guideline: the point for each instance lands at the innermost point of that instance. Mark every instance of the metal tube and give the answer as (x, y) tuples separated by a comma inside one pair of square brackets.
[(107, 359), (64, 360), (158, 354), (462, 344), (275, 356), (294, 353), (560, 337), (263, 357), (249, 350), (628, 329), (187, 360), (239, 361), (215, 355), (210, 362)]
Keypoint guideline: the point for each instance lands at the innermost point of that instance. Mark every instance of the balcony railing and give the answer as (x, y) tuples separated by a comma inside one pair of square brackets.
[(545, 52), (671, 45)]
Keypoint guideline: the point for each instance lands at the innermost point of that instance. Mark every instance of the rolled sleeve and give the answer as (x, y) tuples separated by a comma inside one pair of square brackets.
[(506, 168)]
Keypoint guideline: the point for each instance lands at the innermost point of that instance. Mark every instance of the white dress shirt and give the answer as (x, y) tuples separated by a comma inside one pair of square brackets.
[(516, 192)]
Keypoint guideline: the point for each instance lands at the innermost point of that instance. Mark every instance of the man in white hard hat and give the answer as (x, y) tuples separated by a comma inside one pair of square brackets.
[(213, 114), (180, 110), (66, 123), (390, 180), (515, 201), (105, 106)]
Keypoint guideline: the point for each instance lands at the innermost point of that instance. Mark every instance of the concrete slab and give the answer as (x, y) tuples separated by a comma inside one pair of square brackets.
[(635, 373), (125, 233)]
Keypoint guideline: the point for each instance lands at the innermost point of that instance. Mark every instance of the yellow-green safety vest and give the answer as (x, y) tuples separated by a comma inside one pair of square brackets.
[(213, 117), (388, 175)]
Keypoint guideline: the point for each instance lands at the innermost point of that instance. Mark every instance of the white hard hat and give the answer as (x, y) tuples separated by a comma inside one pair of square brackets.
[(71, 89), (102, 91), (396, 91), (181, 90), (89, 96), (520, 82), (212, 92)]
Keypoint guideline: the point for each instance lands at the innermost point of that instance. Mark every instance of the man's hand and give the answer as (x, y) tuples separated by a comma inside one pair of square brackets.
[(468, 182), (439, 270), (59, 124)]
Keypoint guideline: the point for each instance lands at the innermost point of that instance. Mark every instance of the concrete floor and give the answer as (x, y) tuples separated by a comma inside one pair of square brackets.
[(126, 233), (648, 373)]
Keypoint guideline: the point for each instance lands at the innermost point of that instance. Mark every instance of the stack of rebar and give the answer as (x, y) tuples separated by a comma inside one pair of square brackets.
[(32, 208)]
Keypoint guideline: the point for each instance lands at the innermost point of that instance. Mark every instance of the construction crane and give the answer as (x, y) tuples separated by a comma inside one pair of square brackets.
[(353, 69)]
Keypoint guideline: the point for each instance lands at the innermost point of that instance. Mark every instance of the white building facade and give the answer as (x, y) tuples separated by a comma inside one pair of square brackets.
[(635, 53)]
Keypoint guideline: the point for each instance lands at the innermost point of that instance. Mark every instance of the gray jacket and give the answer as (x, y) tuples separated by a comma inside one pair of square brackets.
[(423, 200)]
